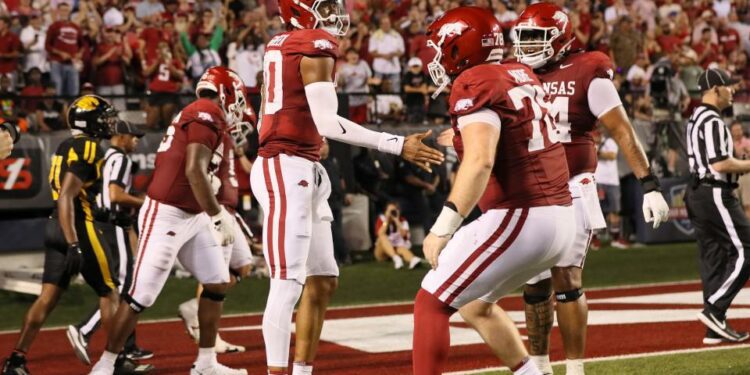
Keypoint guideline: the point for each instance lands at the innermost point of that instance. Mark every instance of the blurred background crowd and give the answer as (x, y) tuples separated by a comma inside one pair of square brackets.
[(145, 55)]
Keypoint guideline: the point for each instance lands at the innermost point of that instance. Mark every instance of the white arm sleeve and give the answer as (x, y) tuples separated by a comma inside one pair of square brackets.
[(602, 96), (321, 96), (483, 115)]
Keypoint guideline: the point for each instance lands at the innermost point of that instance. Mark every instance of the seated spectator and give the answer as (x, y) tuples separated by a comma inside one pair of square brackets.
[(608, 184), (33, 87), (165, 75), (415, 88), (386, 47), (388, 105), (50, 113), (109, 60), (707, 50), (637, 74), (33, 39), (392, 238), (353, 77)]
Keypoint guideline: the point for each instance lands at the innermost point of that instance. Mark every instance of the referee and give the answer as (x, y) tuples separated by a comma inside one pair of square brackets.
[(721, 227), (114, 214)]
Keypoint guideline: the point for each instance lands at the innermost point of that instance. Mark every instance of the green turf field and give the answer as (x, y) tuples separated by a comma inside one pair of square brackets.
[(714, 362), (374, 283)]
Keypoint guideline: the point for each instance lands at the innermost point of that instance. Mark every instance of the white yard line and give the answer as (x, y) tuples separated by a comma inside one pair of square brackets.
[(615, 358)]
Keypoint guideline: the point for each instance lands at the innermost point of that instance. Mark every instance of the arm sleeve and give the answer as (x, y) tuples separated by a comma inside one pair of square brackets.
[(483, 115), (217, 38), (189, 48), (602, 96), (717, 140), (51, 36), (321, 96)]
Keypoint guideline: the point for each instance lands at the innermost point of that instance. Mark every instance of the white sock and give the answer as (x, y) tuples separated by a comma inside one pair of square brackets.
[(277, 320), (528, 368), (574, 367), (206, 357), (302, 368), (542, 363), (106, 362)]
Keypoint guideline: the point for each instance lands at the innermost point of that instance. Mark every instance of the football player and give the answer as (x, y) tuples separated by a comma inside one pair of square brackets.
[(299, 106), (72, 238), (581, 94), (184, 220), (513, 169)]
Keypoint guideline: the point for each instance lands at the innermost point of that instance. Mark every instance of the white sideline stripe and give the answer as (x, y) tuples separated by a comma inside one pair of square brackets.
[(615, 358), (384, 304)]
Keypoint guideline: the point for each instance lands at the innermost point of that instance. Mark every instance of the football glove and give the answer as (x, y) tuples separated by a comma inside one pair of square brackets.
[(222, 227), (73, 259)]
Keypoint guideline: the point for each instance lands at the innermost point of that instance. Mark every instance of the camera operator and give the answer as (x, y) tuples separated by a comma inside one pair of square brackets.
[(393, 238), (9, 135)]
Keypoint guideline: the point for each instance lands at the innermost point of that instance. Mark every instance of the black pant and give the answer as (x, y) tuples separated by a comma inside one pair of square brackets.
[(723, 233)]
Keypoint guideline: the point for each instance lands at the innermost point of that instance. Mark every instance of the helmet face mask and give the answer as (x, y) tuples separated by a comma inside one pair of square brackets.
[(533, 45), (328, 15), (240, 131), (437, 72)]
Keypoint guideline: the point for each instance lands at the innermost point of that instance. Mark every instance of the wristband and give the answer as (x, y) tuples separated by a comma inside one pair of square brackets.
[(390, 143), (650, 183), (448, 221)]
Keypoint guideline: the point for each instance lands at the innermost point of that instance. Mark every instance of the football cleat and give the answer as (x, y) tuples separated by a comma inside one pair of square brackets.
[(79, 343), (138, 354), (216, 369), (15, 365), (721, 327), (223, 347)]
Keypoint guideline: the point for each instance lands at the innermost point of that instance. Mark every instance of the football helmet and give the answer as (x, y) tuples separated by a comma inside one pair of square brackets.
[(240, 131), (329, 15), (230, 89), (542, 33), (92, 115), (462, 37)]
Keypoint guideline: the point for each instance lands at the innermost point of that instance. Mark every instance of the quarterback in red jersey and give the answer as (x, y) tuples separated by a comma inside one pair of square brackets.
[(514, 169), (299, 107), (581, 94), (184, 220)]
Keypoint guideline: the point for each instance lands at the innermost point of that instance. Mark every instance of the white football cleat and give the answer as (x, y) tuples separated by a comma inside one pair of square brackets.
[(223, 347), (216, 369)]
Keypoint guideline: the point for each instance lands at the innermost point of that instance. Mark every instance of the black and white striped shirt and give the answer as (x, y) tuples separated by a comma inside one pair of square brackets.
[(117, 169), (709, 141)]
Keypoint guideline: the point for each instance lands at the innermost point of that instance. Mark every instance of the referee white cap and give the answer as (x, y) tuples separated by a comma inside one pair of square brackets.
[(715, 77)]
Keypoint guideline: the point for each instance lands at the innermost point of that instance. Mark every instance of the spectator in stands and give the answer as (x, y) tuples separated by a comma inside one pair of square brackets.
[(64, 45), (707, 50), (614, 13), (636, 75), (416, 89), (110, 58), (204, 53), (10, 51), (625, 44), (742, 29), (669, 9), (668, 40), (742, 151), (729, 38), (8, 108), (386, 47), (33, 38), (148, 8), (706, 20), (392, 238), (608, 184), (336, 201), (353, 77), (165, 74), (388, 105), (245, 54), (502, 12), (645, 11), (49, 115), (32, 87)]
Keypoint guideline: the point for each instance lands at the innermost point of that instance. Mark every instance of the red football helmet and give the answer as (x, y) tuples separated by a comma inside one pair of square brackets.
[(228, 85), (463, 37), (542, 33), (330, 15)]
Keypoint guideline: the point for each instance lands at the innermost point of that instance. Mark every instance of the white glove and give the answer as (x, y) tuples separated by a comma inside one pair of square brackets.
[(222, 227), (655, 208)]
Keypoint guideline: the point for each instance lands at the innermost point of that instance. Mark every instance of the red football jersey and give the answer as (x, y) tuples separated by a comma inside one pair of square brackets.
[(163, 81), (567, 84), (529, 168), (287, 125), (202, 121), (228, 195)]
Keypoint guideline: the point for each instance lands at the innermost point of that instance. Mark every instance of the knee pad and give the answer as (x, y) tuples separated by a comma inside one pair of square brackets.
[(569, 296), (277, 320), (213, 296), (534, 299), (137, 307)]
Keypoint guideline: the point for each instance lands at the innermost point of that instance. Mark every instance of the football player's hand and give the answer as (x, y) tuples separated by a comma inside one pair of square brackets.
[(222, 227), (432, 246), (445, 138), (420, 154), (655, 208), (73, 259), (6, 144)]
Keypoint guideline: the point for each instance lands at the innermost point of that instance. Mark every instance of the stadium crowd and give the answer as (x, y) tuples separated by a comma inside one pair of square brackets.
[(52, 50)]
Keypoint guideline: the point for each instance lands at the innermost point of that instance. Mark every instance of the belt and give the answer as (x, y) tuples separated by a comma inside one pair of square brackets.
[(713, 183)]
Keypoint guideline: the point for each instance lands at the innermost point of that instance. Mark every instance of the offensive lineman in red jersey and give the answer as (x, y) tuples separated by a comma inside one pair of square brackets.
[(514, 169), (582, 93), (299, 106), (184, 220)]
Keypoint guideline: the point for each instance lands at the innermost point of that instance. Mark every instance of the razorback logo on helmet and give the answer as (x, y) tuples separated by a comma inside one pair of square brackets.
[(560, 16), (322, 44), (205, 116), (452, 29), (463, 104)]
